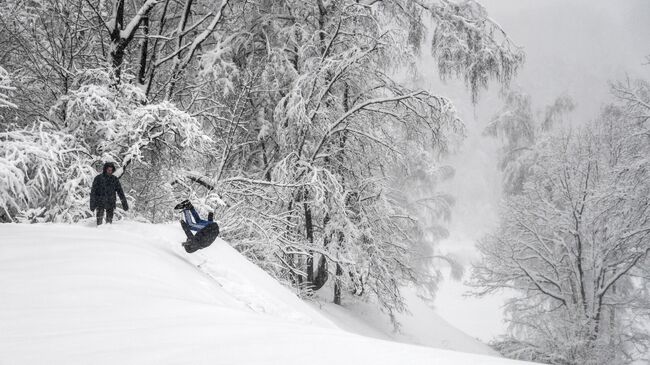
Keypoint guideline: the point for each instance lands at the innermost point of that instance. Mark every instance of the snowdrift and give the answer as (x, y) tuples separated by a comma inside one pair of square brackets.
[(129, 294)]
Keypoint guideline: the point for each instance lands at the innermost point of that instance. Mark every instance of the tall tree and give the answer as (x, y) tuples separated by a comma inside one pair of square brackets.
[(573, 242)]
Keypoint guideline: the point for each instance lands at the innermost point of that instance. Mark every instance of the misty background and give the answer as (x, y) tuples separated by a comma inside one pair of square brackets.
[(572, 48)]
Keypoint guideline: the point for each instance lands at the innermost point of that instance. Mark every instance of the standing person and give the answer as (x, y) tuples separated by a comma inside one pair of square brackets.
[(102, 194)]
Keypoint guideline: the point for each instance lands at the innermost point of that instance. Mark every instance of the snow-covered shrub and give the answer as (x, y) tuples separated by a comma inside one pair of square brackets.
[(45, 175)]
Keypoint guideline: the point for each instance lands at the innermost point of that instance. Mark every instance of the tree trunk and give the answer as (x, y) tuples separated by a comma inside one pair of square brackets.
[(339, 270), (322, 275), (121, 41), (309, 230), (179, 45), (144, 51), (337, 285), (117, 49)]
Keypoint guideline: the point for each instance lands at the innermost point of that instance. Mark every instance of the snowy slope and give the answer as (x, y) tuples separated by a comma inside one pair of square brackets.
[(128, 294), (421, 326)]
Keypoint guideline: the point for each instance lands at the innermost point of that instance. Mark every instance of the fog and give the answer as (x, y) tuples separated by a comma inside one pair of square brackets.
[(572, 48)]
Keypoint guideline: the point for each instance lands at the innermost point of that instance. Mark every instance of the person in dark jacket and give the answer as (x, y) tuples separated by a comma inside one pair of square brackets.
[(206, 230), (102, 194)]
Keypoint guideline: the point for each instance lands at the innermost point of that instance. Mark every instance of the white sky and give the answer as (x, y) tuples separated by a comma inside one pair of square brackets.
[(572, 47)]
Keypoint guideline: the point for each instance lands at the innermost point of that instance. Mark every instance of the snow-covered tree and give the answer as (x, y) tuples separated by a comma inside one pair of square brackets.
[(468, 43), (573, 242), (309, 106), (518, 128), (46, 43)]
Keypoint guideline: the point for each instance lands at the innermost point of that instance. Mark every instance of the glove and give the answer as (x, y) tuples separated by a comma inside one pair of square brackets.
[(92, 208), (125, 206)]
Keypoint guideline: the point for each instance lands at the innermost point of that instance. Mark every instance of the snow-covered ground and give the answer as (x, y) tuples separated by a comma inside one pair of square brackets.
[(129, 294), (422, 326)]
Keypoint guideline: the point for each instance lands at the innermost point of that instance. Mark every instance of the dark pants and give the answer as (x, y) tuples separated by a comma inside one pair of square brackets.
[(198, 223), (109, 215)]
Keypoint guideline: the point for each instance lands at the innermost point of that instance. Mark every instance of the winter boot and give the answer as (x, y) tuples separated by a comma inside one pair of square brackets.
[(184, 205)]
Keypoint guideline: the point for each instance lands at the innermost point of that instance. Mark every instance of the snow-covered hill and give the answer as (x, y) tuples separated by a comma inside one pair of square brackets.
[(129, 294)]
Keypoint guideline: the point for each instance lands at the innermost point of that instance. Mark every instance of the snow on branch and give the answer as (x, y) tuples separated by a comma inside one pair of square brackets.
[(129, 31), (336, 126), (5, 88)]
